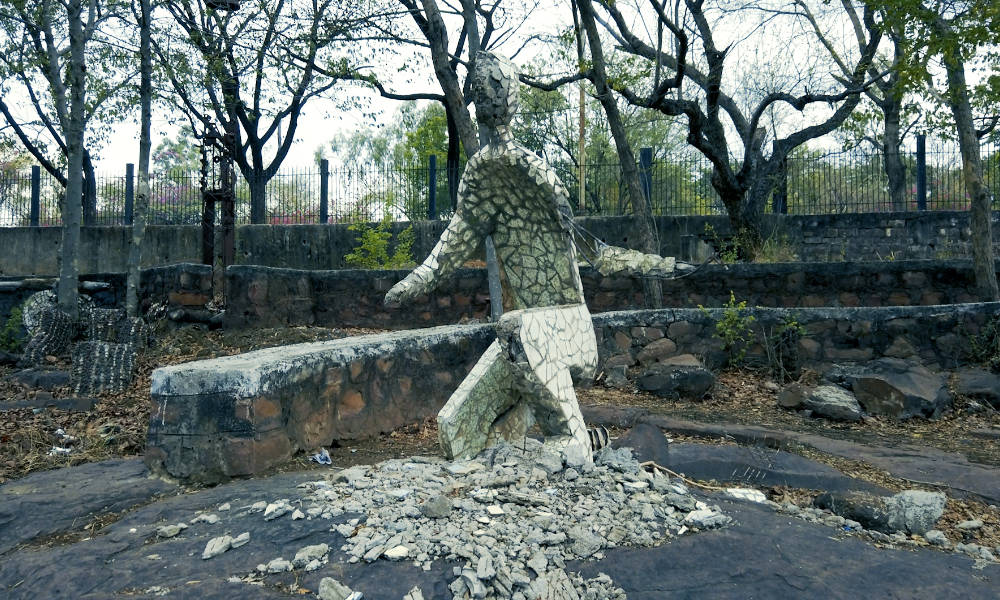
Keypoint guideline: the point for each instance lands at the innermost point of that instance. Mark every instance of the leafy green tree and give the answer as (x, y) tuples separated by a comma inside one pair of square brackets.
[(955, 33), (180, 155), (391, 164)]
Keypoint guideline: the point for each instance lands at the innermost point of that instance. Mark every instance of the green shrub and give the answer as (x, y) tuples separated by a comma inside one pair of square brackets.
[(734, 329), (12, 334), (782, 347), (984, 347), (372, 251)]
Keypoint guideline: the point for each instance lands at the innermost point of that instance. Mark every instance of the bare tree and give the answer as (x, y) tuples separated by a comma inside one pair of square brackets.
[(254, 70), (886, 92), (744, 182), (140, 210), (34, 58), (652, 290)]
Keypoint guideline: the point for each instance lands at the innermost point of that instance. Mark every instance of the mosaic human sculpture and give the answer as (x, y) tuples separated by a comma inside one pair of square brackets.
[(546, 337)]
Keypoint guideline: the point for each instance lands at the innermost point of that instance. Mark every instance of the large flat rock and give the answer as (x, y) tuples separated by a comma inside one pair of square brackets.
[(759, 466), (768, 555), (919, 464), (66, 499)]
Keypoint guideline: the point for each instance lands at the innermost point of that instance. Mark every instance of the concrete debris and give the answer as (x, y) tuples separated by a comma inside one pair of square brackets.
[(511, 522)]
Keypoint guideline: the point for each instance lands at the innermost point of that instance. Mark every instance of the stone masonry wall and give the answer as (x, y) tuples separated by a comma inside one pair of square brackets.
[(267, 297), (851, 237), (937, 336), (239, 415), (183, 284)]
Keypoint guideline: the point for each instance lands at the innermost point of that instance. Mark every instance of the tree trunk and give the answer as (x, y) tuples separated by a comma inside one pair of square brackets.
[(140, 209), (258, 196), (454, 148), (980, 215), (67, 289), (89, 191), (895, 170), (652, 291), (748, 220), (437, 38)]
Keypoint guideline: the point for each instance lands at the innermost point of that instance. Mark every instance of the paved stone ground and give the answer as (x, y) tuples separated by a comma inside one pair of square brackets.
[(762, 554)]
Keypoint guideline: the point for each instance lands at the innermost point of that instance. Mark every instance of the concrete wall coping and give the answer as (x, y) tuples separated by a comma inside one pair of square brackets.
[(253, 373), (258, 372)]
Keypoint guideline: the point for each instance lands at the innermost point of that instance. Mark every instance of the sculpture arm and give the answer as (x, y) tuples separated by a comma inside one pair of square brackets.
[(612, 259), (458, 244)]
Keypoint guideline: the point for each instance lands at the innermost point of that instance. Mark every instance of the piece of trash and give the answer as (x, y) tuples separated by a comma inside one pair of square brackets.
[(60, 432), (322, 457), (58, 451)]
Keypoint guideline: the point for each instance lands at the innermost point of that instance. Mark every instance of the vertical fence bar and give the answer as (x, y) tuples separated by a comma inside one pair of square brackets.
[(129, 193), (36, 195), (779, 200), (324, 191), (921, 172), (646, 174), (432, 171)]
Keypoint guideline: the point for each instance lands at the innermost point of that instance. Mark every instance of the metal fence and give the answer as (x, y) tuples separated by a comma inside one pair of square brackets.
[(675, 184)]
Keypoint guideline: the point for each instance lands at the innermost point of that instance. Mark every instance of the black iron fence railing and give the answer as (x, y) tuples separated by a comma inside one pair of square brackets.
[(674, 184)]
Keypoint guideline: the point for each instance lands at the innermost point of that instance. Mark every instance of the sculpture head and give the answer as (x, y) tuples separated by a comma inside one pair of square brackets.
[(494, 89)]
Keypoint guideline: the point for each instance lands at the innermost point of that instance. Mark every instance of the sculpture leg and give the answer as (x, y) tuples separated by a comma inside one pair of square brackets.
[(558, 413), (484, 408)]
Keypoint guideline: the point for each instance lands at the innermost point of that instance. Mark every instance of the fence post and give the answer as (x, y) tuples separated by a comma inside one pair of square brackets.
[(779, 201), (646, 173), (324, 191), (36, 195), (921, 172), (129, 192), (432, 172)]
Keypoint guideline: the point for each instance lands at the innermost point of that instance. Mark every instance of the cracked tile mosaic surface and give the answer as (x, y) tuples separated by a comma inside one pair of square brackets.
[(547, 336)]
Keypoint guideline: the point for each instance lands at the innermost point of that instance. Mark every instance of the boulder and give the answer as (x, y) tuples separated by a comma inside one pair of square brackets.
[(689, 379), (915, 511), (898, 389), (892, 387), (616, 377), (979, 384), (793, 396), (833, 402), (910, 511), (647, 443)]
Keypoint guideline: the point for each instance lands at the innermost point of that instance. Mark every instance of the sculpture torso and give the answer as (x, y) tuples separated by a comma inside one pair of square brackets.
[(512, 194)]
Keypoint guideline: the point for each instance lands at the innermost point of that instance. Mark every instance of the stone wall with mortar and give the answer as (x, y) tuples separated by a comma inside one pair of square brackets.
[(240, 415), (178, 285), (936, 336), (851, 237), (267, 297)]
